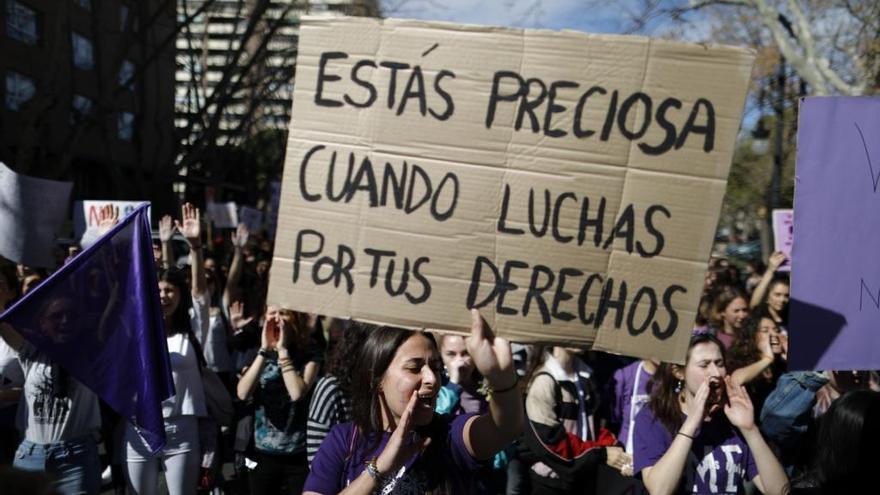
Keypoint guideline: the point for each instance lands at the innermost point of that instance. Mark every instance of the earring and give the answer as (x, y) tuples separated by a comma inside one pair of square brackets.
[(679, 386)]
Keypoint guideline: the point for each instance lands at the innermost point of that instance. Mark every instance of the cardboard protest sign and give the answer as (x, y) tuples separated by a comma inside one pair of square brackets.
[(566, 184), (783, 235), (223, 215), (252, 218), (85, 213), (835, 292), (32, 211)]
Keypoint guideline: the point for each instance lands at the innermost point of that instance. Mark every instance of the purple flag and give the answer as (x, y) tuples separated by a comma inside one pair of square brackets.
[(99, 318), (835, 292)]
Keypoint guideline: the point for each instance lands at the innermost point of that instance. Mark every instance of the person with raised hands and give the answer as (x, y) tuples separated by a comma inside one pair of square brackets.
[(773, 292), (698, 433), (186, 313), (759, 357), (59, 417), (233, 290), (396, 442), (280, 379), (108, 217), (221, 327), (166, 232), (464, 392)]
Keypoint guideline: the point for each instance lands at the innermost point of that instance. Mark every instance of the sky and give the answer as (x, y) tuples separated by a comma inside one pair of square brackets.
[(584, 15), (593, 16)]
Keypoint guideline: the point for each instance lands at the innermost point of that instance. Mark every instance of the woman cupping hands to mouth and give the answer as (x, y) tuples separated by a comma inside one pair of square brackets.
[(698, 433), (396, 443)]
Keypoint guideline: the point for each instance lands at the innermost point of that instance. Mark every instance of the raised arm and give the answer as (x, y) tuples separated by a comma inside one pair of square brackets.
[(487, 434), (237, 320), (166, 231), (771, 478), (239, 241), (773, 264), (297, 386), (108, 217), (663, 477), (750, 372), (11, 336), (191, 229), (248, 380)]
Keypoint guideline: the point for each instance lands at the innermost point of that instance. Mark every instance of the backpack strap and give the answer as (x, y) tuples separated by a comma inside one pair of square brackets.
[(197, 347), (349, 454), (352, 442)]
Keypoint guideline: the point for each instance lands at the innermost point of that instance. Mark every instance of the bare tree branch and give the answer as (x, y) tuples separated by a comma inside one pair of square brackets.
[(803, 31)]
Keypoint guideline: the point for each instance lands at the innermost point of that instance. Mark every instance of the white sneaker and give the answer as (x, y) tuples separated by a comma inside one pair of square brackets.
[(106, 476)]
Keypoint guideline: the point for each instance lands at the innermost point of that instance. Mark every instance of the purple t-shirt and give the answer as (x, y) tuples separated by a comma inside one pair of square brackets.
[(338, 462), (720, 461), (624, 382)]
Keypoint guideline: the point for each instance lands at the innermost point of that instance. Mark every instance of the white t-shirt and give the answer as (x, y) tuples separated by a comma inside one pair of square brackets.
[(216, 347), (11, 374), (190, 397), (45, 418)]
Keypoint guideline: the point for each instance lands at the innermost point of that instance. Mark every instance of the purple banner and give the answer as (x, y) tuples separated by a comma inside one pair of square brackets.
[(99, 318), (835, 306)]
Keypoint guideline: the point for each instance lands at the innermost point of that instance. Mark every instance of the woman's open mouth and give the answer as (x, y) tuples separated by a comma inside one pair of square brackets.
[(427, 400)]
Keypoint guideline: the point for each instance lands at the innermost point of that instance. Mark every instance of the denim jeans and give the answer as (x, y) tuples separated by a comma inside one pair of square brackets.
[(73, 464), (788, 408), (788, 412)]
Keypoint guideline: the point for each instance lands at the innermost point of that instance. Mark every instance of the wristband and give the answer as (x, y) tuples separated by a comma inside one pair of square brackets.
[(263, 352), (373, 471), (685, 435), (508, 389)]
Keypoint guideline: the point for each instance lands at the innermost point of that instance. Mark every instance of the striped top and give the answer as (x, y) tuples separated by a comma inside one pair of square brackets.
[(328, 407)]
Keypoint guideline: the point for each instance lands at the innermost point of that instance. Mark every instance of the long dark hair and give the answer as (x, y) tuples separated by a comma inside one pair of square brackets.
[(343, 358), (778, 278), (376, 355), (744, 350), (180, 318), (846, 449), (664, 401), (378, 351)]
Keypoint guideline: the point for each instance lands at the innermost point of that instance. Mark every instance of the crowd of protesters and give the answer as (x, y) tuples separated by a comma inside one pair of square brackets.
[(324, 405)]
